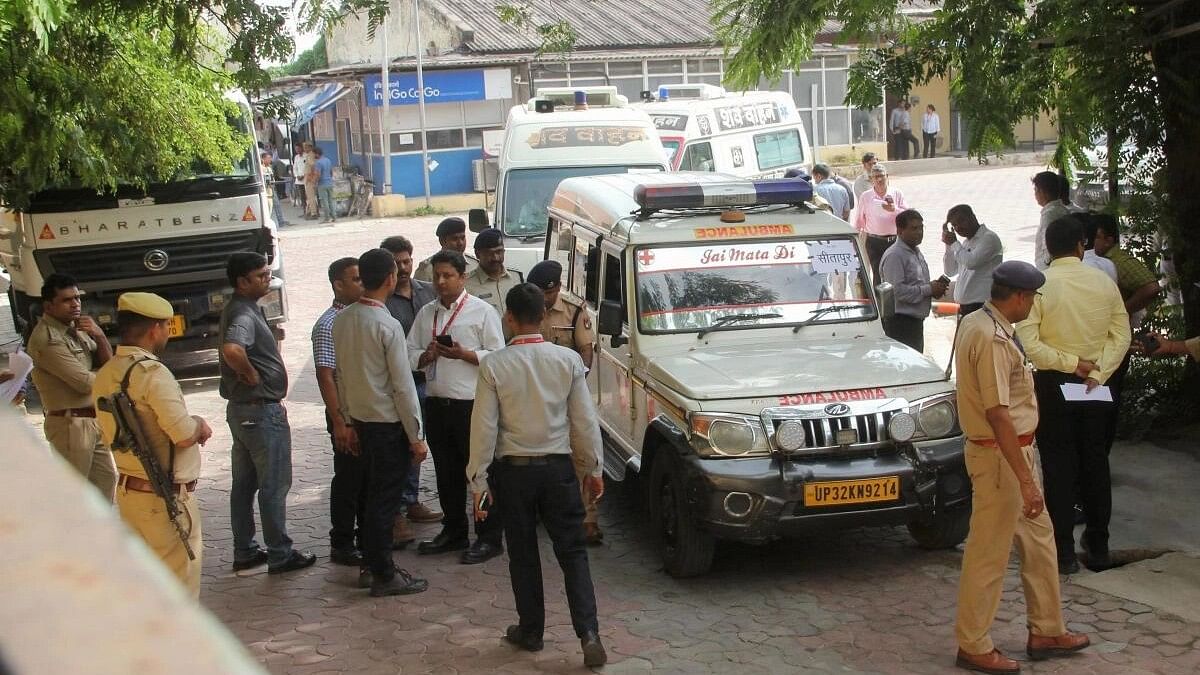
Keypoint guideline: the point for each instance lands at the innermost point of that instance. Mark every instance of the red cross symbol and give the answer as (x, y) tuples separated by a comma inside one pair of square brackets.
[(646, 257)]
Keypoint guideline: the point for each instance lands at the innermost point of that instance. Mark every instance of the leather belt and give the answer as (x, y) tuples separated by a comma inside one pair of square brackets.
[(73, 412), (1024, 440), (885, 237), (532, 460), (257, 401), (142, 485)]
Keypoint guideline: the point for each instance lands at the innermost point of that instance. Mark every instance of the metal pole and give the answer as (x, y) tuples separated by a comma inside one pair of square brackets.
[(385, 138), (421, 97)]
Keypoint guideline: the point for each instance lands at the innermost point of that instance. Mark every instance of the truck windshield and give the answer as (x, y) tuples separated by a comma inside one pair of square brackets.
[(682, 289), (527, 193)]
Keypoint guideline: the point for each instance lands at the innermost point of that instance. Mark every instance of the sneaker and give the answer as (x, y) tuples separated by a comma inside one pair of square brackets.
[(297, 561), (401, 583), (419, 513)]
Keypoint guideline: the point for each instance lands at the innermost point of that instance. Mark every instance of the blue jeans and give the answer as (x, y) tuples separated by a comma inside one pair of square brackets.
[(325, 197), (413, 483), (262, 464), (277, 210)]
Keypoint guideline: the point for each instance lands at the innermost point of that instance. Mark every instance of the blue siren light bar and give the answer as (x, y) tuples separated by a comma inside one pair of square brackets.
[(719, 194)]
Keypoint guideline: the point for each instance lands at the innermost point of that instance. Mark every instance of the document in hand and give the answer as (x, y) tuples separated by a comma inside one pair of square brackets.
[(1079, 392), (21, 365)]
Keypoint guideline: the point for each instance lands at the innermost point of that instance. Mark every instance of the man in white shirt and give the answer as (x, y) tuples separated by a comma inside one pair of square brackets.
[(447, 340), (1090, 257), (931, 126), (1047, 191), (973, 260)]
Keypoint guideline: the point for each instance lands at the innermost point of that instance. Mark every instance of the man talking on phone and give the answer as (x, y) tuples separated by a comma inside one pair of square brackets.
[(532, 411), (67, 348)]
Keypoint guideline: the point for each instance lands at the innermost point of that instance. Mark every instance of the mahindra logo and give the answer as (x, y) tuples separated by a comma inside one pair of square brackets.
[(156, 260), (837, 409)]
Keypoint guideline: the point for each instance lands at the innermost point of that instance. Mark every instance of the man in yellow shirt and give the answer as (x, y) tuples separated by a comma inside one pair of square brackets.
[(1077, 334)]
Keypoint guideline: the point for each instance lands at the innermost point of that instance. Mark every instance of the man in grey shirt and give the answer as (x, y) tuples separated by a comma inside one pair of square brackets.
[(532, 411), (254, 382), (903, 266), (377, 394)]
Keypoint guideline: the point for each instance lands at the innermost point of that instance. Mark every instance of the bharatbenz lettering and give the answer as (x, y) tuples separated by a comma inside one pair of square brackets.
[(171, 238), (742, 368)]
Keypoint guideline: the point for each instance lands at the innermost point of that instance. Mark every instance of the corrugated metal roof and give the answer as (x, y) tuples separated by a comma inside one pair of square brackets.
[(597, 24)]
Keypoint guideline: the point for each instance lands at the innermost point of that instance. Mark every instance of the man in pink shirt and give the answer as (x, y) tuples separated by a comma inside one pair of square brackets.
[(876, 216)]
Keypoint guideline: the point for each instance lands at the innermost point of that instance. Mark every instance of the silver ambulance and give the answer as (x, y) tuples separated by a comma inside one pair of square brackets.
[(742, 369)]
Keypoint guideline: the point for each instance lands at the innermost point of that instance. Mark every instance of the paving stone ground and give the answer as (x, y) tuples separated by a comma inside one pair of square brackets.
[(859, 601)]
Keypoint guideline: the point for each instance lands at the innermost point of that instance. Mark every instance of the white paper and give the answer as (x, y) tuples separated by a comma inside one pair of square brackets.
[(836, 255), (1079, 392), (21, 365)]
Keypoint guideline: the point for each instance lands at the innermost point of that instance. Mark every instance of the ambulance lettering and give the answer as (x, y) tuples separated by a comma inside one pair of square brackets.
[(844, 396)]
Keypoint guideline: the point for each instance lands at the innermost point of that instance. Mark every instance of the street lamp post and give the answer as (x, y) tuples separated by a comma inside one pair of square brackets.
[(385, 145), (421, 97)]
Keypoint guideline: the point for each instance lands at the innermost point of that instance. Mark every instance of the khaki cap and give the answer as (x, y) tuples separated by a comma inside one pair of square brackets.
[(147, 304)]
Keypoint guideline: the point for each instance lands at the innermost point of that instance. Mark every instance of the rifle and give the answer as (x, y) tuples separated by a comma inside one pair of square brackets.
[(131, 438)]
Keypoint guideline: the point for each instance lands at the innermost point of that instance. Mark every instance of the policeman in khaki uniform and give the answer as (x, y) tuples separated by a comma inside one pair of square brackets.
[(492, 281), (998, 412), (567, 324), (452, 235), (66, 347), (169, 429)]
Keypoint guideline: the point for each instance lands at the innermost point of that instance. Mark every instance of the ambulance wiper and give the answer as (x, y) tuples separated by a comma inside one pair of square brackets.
[(822, 311), (733, 318)]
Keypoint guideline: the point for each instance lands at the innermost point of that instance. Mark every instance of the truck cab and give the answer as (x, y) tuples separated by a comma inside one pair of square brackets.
[(742, 369), (562, 133)]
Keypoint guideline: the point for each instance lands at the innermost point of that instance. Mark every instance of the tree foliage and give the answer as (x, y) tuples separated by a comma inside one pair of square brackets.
[(314, 58)]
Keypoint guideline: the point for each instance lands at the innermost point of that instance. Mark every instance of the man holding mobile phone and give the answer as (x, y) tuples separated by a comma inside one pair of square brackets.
[(67, 348), (447, 341)]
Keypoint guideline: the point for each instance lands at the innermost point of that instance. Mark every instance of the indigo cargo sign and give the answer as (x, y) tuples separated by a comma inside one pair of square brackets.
[(445, 86)]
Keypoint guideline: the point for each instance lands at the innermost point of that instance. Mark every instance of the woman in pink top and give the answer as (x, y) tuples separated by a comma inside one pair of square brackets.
[(876, 215)]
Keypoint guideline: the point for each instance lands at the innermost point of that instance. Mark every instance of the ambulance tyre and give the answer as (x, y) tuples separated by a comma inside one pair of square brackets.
[(945, 529), (687, 550)]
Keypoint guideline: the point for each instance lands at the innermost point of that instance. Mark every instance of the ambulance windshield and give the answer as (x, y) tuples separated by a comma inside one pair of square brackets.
[(527, 193), (687, 288)]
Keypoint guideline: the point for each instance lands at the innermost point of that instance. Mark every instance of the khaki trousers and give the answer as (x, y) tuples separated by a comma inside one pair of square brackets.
[(997, 521), (77, 439), (589, 507), (310, 198), (146, 514)]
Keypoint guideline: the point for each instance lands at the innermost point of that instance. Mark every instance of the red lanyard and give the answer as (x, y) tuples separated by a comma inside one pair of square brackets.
[(462, 300), (526, 340)]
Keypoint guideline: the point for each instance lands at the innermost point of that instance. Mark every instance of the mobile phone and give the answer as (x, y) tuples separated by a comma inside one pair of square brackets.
[(445, 340), (944, 279), (1149, 343), (485, 502)]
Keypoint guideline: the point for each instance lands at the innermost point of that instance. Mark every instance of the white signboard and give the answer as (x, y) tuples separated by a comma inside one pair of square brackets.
[(711, 257), (836, 255)]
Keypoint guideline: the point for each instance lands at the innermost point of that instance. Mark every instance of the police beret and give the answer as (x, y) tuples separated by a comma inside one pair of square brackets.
[(147, 304), (489, 238), (450, 226), (1018, 274), (545, 275)]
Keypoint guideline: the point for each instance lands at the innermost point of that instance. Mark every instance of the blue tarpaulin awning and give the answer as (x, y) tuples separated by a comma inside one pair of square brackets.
[(310, 101)]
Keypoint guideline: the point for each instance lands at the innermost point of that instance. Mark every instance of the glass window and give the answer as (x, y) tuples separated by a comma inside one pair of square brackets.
[(866, 126), (835, 62), (835, 87), (587, 70), (613, 279), (704, 79), (664, 67), (672, 148), (773, 85), (837, 126), (588, 81), (444, 139), (629, 87), (778, 148), (584, 271), (697, 157), (802, 84), (474, 137), (655, 82), (815, 64), (624, 67), (548, 80), (355, 142), (704, 66), (527, 194), (408, 141)]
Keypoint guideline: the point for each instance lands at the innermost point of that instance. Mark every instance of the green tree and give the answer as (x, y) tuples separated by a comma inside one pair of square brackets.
[(312, 59), (1124, 67)]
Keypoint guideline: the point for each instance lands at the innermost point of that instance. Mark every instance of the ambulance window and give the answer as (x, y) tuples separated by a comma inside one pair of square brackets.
[(778, 148), (612, 280), (577, 275), (697, 157), (591, 273)]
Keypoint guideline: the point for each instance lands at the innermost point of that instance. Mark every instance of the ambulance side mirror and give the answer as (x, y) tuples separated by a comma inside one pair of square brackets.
[(477, 220), (611, 322), (885, 295)]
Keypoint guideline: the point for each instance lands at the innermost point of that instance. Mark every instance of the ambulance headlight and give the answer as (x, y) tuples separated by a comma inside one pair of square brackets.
[(789, 435), (938, 419), (723, 435), (902, 427)]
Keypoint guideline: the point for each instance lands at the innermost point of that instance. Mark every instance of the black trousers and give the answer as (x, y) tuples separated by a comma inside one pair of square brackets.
[(875, 248), (907, 330), (969, 307), (1117, 384), (385, 448), (929, 143), (548, 493), (347, 498), (903, 140), (448, 430), (1071, 441)]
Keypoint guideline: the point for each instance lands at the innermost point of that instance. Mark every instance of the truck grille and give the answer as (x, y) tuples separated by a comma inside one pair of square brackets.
[(198, 257), (871, 429), (869, 421)]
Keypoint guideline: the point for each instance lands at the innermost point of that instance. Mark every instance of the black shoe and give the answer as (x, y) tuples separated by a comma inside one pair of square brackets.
[(364, 577), (259, 558), (1066, 567), (401, 583), (594, 655), (297, 561), (442, 544), (1098, 558), (480, 552), (515, 636), (346, 556)]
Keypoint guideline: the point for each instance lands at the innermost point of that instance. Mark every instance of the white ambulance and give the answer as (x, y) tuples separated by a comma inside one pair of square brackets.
[(742, 368), (562, 133), (756, 134)]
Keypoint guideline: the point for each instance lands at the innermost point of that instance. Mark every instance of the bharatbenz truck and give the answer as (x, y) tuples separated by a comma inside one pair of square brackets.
[(742, 369), (171, 238)]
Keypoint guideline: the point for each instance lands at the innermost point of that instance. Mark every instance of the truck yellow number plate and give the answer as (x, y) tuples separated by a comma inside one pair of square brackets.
[(837, 493), (176, 326)]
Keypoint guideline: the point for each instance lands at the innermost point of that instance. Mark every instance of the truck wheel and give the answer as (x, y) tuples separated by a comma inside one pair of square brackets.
[(946, 529), (686, 550)]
